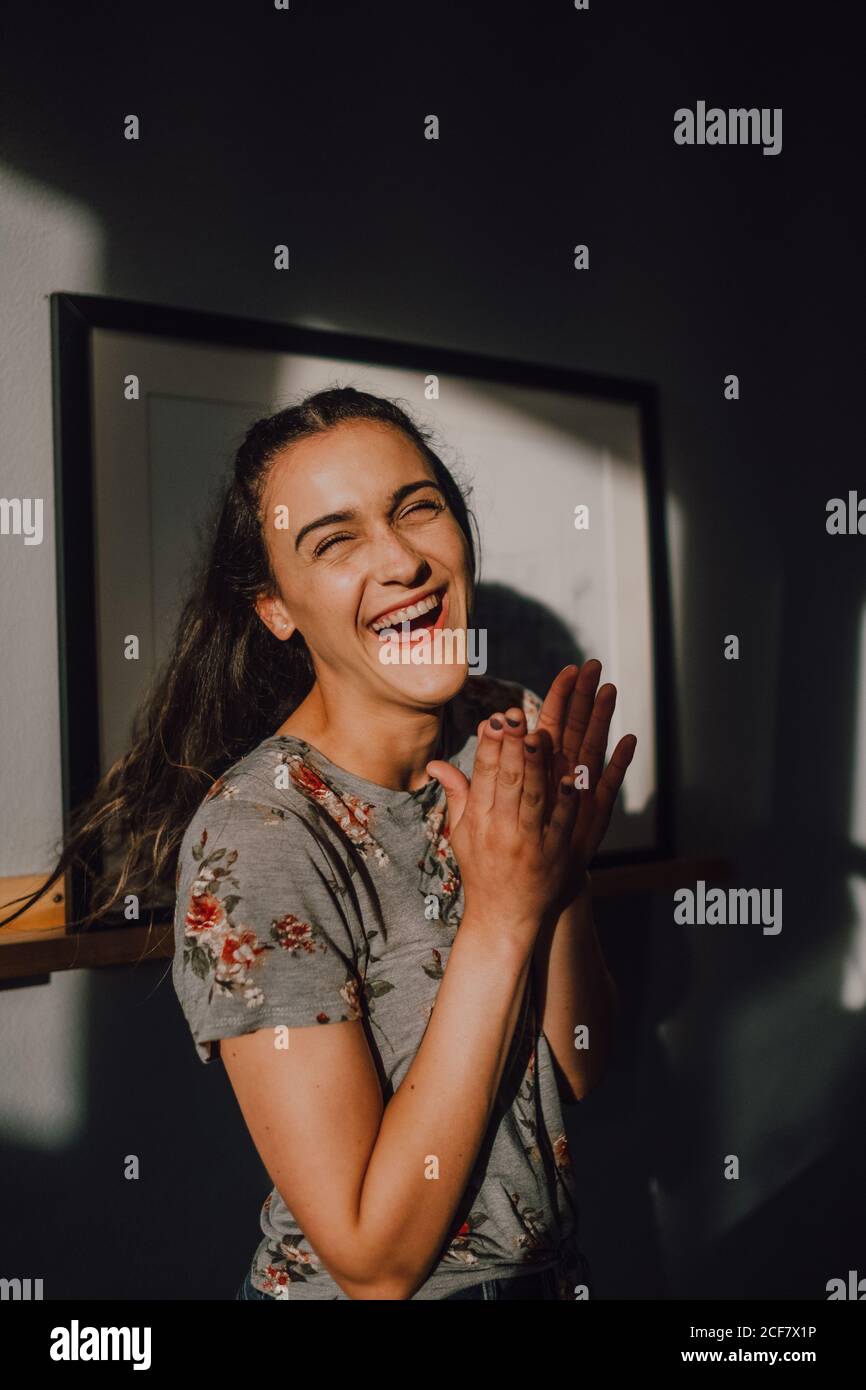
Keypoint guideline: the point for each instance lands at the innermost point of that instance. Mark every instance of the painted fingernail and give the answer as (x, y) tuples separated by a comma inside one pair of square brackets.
[(513, 722), (494, 722), (530, 747)]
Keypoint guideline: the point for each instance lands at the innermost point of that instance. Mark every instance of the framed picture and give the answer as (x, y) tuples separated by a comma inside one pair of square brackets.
[(563, 478)]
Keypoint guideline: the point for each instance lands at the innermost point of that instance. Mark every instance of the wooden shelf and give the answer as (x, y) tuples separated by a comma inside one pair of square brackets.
[(658, 876), (37, 942), (24, 954)]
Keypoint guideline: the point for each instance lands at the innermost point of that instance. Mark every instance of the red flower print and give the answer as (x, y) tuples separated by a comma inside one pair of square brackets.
[(293, 934), (350, 813), (239, 950), (214, 945), (275, 1278), (350, 995), (204, 912), (560, 1152), (306, 779)]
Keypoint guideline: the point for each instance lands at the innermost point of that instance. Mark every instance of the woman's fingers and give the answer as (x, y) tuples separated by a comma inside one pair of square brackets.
[(578, 716), (607, 791), (532, 815), (592, 754), (482, 788), (509, 781), (551, 716), (594, 743), (566, 714), (524, 752), (562, 820), (456, 785)]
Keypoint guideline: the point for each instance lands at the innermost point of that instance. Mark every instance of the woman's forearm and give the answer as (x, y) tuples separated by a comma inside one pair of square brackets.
[(574, 990), (433, 1127)]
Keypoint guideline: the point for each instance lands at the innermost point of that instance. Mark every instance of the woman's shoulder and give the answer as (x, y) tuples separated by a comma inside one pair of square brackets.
[(250, 778), (248, 836), (248, 798)]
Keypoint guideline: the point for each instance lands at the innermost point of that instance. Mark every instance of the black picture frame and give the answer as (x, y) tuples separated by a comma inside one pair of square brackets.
[(74, 317)]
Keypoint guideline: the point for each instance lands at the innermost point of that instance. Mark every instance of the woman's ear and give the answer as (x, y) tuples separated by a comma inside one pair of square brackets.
[(275, 616)]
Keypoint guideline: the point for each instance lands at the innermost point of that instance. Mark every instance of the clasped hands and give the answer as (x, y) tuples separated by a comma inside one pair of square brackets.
[(572, 730)]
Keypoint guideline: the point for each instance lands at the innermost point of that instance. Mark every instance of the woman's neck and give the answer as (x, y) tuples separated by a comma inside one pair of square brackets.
[(382, 744)]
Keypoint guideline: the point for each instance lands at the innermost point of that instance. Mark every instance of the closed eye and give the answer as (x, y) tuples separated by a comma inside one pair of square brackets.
[(427, 503)]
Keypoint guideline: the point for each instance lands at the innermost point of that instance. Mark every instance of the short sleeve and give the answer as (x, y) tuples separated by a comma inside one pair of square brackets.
[(263, 931), (531, 708)]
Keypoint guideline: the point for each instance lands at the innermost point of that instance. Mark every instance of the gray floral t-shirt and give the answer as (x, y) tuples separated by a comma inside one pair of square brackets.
[(307, 895)]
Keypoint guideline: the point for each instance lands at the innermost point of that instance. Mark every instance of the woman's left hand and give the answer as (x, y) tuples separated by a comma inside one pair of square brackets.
[(575, 723)]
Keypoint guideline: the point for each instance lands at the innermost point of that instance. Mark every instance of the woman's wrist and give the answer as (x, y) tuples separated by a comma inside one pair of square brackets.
[(512, 932)]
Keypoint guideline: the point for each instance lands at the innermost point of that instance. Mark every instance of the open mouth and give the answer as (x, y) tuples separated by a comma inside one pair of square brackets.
[(432, 617)]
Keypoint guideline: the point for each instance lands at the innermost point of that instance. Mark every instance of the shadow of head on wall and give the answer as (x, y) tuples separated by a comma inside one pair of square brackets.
[(526, 641)]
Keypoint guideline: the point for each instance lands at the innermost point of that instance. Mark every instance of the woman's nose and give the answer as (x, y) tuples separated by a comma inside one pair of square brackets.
[(394, 558)]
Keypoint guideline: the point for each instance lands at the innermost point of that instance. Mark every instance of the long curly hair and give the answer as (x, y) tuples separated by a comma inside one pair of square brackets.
[(227, 682)]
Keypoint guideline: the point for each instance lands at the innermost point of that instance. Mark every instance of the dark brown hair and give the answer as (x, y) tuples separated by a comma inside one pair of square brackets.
[(227, 683)]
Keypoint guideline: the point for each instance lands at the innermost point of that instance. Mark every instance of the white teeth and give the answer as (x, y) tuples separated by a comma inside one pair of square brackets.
[(401, 615)]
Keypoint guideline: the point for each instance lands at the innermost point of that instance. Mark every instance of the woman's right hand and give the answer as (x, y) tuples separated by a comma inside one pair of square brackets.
[(513, 861)]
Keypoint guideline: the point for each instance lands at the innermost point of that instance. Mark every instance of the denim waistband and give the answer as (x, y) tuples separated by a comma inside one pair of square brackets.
[(533, 1284)]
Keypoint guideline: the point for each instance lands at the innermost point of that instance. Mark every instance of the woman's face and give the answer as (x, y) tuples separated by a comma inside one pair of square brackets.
[(357, 526)]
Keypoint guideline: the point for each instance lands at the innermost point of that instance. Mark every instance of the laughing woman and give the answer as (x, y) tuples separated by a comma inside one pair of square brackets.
[(383, 921)]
